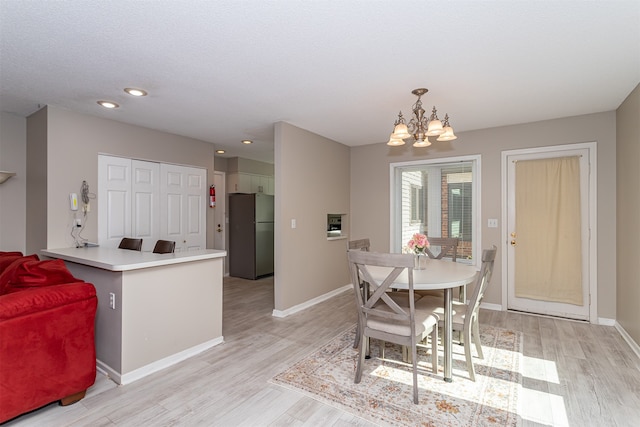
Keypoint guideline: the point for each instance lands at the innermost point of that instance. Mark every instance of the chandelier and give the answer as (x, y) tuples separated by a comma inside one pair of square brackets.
[(419, 127)]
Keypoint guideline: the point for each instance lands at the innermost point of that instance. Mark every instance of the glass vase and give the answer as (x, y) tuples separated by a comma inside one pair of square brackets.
[(420, 261)]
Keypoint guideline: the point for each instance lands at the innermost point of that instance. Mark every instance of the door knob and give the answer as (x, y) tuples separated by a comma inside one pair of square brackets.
[(513, 243), (219, 230)]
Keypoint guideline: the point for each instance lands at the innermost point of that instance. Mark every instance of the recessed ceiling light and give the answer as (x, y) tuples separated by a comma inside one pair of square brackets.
[(219, 151), (108, 104), (135, 92), (247, 141)]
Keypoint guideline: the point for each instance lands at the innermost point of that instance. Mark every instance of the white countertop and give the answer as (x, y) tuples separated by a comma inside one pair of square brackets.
[(124, 259)]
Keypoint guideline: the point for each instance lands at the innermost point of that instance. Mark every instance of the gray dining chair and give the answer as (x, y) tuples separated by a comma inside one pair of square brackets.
[(465, 316), (390, 319), (363, 245), (448, 248)]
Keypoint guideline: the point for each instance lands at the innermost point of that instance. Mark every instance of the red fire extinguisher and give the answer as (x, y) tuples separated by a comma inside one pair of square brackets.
[(212, 196)]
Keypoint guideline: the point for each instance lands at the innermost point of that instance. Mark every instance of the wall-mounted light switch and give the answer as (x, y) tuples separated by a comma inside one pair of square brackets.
[(492, 223)]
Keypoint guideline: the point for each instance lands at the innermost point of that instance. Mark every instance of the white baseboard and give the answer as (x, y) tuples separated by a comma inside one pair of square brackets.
[(606, 322), (107, 370), (489, 306), (634, 345), (311, 302), (156, 366)]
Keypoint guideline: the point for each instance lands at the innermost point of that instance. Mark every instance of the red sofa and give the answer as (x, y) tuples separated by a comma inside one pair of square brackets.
[(47, 347)]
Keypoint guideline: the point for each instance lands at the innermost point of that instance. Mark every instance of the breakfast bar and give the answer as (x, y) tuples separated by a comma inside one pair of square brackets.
[(154, 310)]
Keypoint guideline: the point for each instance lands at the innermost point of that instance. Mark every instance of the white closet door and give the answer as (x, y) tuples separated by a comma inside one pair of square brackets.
[(145, 195), (183, 206), (114, 195)]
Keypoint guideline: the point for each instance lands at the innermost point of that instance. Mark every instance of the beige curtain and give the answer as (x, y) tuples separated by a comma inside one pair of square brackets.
[(548, 252)]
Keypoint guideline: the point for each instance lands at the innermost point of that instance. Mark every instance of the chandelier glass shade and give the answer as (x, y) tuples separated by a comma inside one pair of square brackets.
[(420, 128)]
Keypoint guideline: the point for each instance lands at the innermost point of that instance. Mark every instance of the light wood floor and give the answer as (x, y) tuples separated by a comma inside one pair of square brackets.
[(575, 374)]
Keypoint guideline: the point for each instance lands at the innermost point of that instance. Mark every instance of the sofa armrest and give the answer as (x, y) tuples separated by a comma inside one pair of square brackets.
[(47, 348)]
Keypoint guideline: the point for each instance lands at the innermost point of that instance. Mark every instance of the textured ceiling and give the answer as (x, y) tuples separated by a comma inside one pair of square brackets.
[(223, 71)]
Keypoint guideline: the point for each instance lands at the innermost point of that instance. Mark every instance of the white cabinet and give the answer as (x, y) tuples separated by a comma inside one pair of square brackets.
[(244, 183), (239, 182)]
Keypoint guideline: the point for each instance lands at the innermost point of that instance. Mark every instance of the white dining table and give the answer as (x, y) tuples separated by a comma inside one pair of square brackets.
[(438, 274)]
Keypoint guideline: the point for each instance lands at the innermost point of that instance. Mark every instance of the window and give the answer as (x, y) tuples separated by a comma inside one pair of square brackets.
[(438, 198)]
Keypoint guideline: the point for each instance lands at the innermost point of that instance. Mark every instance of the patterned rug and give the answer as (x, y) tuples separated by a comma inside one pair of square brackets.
[(385, 394)]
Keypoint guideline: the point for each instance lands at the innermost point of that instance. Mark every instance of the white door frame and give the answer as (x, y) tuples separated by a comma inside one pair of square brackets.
[(220, 215), (593, 204)]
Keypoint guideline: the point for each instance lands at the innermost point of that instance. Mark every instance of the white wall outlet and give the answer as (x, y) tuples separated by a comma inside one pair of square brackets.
[(293, 223), (492, 223), (112, 300), (78, 222)]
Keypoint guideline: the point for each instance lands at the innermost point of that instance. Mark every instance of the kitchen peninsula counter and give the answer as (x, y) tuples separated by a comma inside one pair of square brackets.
[(154, 310), (125, 260)]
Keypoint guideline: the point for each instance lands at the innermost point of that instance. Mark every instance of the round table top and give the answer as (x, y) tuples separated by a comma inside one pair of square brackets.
[(438, 274)]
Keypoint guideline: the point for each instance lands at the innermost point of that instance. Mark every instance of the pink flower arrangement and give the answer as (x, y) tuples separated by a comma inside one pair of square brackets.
[(418, 242)]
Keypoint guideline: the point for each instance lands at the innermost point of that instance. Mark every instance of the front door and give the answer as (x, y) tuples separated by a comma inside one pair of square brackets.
[(548, 231)]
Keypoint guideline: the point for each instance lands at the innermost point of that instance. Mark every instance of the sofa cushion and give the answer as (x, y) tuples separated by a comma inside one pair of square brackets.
[(6, 258), (8, 272), (10, 253), (33, 273)]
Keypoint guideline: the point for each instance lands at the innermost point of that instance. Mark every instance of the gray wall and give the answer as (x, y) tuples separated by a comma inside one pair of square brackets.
[(370, 186), (628, 214), (68, 144), (312, 180), (37, 202), (13, 134)]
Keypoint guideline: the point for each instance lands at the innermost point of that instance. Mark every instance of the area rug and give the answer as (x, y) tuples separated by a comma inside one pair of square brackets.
[(385, 394)]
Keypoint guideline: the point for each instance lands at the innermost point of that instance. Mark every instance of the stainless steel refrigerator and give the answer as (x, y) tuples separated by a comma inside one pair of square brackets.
[(250, 235)]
